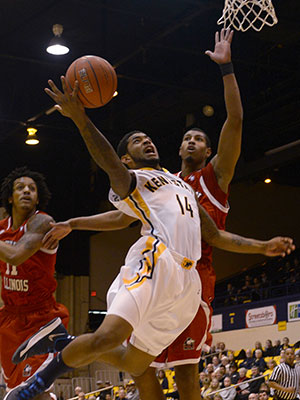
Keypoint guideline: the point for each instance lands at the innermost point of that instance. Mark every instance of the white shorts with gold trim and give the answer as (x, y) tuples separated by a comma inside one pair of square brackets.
[(157, 291)]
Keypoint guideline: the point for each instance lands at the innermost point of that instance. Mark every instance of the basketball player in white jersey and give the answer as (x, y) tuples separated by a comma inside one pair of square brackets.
[(140, 304)]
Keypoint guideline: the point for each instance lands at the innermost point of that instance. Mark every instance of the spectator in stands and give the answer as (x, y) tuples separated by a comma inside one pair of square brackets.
[(81, 396), (205, 390), (255, 385), (255, 294), (221, 374), (233, 373), (225, 363), (101, 385), (77, 390), (221, 349), (297, 356), (132, 391), (243, 388), (230, 392), (231, 294), (249, 360), (263, 395), (216, 362), (264, 386), (253, 396), (209, 369), (265, 284), (231, 357), (122, 395), (92, 397), (163, 379), (285, 344), (214, 386), (257, 346), (107, 396), (277, 346), (259, 361), (269, 349), (245, 292), (202, 375), (271, 365)]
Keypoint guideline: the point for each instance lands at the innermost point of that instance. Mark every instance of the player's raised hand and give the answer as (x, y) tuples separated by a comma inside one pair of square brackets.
[(59, 231), (222, 50), (68, 104), (279, 246)]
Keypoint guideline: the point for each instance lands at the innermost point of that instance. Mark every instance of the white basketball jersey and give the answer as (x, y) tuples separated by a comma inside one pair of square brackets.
[(167, 208)]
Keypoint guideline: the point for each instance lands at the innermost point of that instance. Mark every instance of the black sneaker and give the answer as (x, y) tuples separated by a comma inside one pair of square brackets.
[(43, 341), (27, 390)]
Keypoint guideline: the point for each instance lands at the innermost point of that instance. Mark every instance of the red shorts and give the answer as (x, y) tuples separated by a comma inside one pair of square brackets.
[(15, 327), (186, 349)]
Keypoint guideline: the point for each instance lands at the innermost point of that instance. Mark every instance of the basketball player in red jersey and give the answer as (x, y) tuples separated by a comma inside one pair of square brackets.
[(211, 184), (27, 271)]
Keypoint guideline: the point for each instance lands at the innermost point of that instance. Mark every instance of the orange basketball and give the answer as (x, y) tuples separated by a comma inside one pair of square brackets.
[(97, 80)]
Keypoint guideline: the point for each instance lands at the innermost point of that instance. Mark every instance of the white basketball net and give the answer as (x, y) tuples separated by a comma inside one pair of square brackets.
[(245, 14)]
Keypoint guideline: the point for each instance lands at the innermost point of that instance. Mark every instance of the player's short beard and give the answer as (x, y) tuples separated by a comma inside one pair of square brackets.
[(152, 163)]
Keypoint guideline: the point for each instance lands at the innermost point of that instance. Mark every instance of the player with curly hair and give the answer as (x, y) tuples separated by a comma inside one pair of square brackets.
[(27, 270)]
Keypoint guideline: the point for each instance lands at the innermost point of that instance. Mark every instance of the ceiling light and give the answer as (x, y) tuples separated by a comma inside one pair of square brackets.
[(57, 45), (268, 180), (115, 93), (208, 110), (32, 138)]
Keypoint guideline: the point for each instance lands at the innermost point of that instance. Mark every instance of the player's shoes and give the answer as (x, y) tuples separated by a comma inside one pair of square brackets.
[(27, 390), (43, 341)]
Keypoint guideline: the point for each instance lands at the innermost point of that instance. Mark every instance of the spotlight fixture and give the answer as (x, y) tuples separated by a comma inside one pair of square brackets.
[(208, 110), (57, 45), (32, 138)]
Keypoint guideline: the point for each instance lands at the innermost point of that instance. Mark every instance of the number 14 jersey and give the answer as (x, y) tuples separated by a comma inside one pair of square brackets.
[(167, 208)]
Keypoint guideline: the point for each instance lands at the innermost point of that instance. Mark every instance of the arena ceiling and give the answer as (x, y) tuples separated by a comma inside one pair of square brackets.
[(165, 79)]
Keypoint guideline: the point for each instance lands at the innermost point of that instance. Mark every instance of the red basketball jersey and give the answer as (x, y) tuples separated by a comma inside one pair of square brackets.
[(31, 282)]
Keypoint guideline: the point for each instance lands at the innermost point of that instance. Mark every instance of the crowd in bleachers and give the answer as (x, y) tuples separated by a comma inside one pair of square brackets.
[(221, 368), (273, 278)]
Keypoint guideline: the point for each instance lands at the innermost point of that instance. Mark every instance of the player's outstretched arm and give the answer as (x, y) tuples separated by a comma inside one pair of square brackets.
[(278, 246), (99, 147), (108, 221), (30, 242), (229, 147)]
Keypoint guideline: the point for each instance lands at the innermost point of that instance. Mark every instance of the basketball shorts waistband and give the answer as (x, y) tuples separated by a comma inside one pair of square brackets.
[(185, 262)]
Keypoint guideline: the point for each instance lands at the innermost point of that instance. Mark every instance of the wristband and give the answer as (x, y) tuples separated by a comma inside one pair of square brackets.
[(226, 69)]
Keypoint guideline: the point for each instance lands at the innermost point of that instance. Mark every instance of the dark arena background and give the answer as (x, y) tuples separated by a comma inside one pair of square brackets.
[(165, 84)]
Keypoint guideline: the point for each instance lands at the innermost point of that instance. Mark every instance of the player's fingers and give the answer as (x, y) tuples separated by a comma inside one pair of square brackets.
[(64, 85), (51, 94), (222, 34), (226, 33), (58, 108), (208, 53), (230, 36), (217, 37), (53, 87), (75, 89)]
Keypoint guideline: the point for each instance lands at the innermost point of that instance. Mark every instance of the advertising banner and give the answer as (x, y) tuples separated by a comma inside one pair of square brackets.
[(293, 311), (260, 316), (216, 323)]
